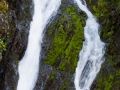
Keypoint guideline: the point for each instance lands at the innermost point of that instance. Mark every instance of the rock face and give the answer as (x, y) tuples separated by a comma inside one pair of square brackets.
[(2, 23), (108, 13), (2, 20), (19, 17), (61, 45)]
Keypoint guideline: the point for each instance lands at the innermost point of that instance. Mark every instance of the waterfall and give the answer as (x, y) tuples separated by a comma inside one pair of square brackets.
[(91, 55), (29, 65)]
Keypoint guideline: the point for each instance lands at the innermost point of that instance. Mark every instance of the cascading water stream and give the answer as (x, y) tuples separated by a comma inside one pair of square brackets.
[(91, 55), (29, 65)]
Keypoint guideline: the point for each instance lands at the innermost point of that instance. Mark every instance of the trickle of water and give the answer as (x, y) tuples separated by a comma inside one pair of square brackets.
[(29, 65), (91, 55)]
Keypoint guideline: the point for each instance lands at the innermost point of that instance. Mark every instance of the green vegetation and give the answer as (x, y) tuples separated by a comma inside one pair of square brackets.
[(3, 31), (52, 76), (107, 12), (2, 45), (118, 5), (3, 7), (65, 84), (106, 82), (67, 41), (101, 8)]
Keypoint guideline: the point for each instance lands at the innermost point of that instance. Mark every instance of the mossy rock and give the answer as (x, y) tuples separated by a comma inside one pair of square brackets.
[(4, 24), (67, 34), (108, 15)]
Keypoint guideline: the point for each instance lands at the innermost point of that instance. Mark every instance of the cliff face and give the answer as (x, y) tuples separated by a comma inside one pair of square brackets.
[(3, 36), (61, 44), (108, 14), (18, 23)]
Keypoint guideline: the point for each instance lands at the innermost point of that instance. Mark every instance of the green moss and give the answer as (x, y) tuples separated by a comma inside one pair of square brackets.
[(65, 84), (105, 81), (3, 10), (52, 76), (68, 10), (71, 10), (118, 4), (107, 76), (2, 45), (67, 41), (3, 7), (117, 72), (100, 9), (108, 82)]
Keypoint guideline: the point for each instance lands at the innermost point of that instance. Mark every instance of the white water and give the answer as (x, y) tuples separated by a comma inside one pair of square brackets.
[(91, 55), (29, 65)]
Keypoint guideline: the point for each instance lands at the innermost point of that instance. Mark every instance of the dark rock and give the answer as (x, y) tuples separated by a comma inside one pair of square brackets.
[(2, 20), (20, 15)]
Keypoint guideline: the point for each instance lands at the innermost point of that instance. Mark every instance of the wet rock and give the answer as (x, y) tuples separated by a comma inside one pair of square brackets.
[(2, 20), (0, 55), (117, 41), (20, 15)]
